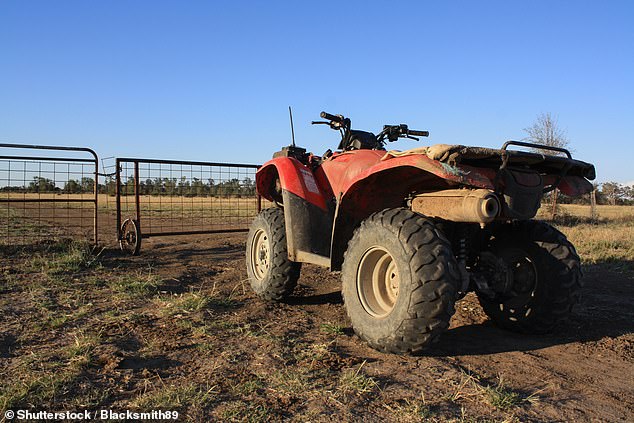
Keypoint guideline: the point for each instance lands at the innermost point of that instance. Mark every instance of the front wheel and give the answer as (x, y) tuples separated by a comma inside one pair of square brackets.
[(271, 274), (543, 274), (399, 281)]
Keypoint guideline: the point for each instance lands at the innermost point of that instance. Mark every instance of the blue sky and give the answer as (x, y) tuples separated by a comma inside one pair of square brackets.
[(212, 80)]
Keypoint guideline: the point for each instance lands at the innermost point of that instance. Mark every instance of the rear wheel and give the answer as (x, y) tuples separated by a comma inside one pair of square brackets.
[(271, 274), (399, 281), (543, 278)]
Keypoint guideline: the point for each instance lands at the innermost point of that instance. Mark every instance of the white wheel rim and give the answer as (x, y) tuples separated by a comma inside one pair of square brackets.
[(260, 254), (377, 282)]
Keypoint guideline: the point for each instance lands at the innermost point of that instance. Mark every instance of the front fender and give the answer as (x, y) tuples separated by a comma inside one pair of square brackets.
[(308, 219), (293, 177)]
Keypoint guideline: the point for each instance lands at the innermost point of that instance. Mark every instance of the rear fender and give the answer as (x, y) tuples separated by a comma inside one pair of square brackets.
[(572, 186), (307, 215), (388, 184), (453, 174), (389, 187)]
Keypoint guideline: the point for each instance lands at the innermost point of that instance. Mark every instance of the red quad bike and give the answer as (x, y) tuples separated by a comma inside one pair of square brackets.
[(413, 231)]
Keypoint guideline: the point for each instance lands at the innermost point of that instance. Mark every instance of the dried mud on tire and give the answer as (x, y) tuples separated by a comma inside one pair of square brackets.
[(179, 328)]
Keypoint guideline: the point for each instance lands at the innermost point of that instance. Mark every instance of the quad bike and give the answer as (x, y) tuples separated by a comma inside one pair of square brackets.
[(413, 231)]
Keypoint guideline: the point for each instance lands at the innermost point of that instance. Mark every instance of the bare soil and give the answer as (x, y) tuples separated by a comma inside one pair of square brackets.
[(179, 328)]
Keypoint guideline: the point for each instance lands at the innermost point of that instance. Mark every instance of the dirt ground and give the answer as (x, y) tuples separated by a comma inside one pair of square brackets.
[(178, 328)]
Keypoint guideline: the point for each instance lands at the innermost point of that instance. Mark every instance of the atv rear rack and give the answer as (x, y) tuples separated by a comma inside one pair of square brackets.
[(492, 158)]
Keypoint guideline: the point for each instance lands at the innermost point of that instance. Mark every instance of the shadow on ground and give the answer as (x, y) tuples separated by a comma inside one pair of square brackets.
[(606, 309)]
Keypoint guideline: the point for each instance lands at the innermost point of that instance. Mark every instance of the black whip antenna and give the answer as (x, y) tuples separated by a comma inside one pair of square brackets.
[(290, 112)]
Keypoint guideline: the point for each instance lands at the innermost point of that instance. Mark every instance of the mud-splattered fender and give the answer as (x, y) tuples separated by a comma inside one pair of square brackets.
[(572, 186), (458, 174), (293, 176), (388, 184), (307, 216)]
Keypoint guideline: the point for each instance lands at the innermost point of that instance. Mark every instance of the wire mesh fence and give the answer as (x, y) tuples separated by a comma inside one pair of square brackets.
[(168, 197), (47, 197)]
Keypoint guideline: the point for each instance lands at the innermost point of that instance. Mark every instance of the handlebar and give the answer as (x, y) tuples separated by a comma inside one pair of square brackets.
[(349, 137), (394, 132), (334, 118), (418, 133)]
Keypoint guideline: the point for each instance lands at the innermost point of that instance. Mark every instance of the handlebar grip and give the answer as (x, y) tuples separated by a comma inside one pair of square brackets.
[(333, 118), (418, 133)]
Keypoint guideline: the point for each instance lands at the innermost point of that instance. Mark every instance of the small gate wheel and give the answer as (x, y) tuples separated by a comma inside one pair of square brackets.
[(130, 240)]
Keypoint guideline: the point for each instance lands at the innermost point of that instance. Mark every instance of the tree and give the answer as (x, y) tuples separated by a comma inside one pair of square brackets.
[(546, 131), (87, 184), (72, 187), (197, 187), (40, 184), (629, 192), (248, 186), (613, 192)]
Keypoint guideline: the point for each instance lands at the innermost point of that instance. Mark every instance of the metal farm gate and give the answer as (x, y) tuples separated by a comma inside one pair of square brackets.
[(172, 197), (46, 197)]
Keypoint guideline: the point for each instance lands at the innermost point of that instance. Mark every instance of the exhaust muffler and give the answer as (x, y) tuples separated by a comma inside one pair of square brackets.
[(459, 205)]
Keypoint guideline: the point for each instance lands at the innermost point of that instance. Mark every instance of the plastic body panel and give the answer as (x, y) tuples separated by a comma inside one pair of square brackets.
[(325, 200)]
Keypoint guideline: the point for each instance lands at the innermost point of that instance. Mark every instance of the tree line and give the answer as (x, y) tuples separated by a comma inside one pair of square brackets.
[(615, 193), (156, 186)]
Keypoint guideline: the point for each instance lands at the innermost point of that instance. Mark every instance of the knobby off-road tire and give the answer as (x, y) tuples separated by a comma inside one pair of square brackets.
[(271, 274), (548, 298), (399, 281)]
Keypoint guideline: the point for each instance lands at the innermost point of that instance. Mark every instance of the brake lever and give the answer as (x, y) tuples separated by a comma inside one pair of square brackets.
[(412, 138), (319, 122)]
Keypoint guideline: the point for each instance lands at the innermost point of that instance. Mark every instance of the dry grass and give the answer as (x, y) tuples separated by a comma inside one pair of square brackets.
[(603, 243), (609, 240), (153, 201), (603, 211)]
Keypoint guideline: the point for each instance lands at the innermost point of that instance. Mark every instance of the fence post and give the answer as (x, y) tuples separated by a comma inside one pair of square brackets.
[(593, 205), (96, 225), (117, 193), (137, 194), (554, 204)]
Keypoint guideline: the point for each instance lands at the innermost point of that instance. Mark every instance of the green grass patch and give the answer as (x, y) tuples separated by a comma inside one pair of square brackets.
[(176, 396), (64, 258), (137, 284), (239, 411), (356, 382), (332, 329)]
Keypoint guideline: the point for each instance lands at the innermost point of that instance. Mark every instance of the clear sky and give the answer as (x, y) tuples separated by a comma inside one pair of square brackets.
[(212, 80)]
